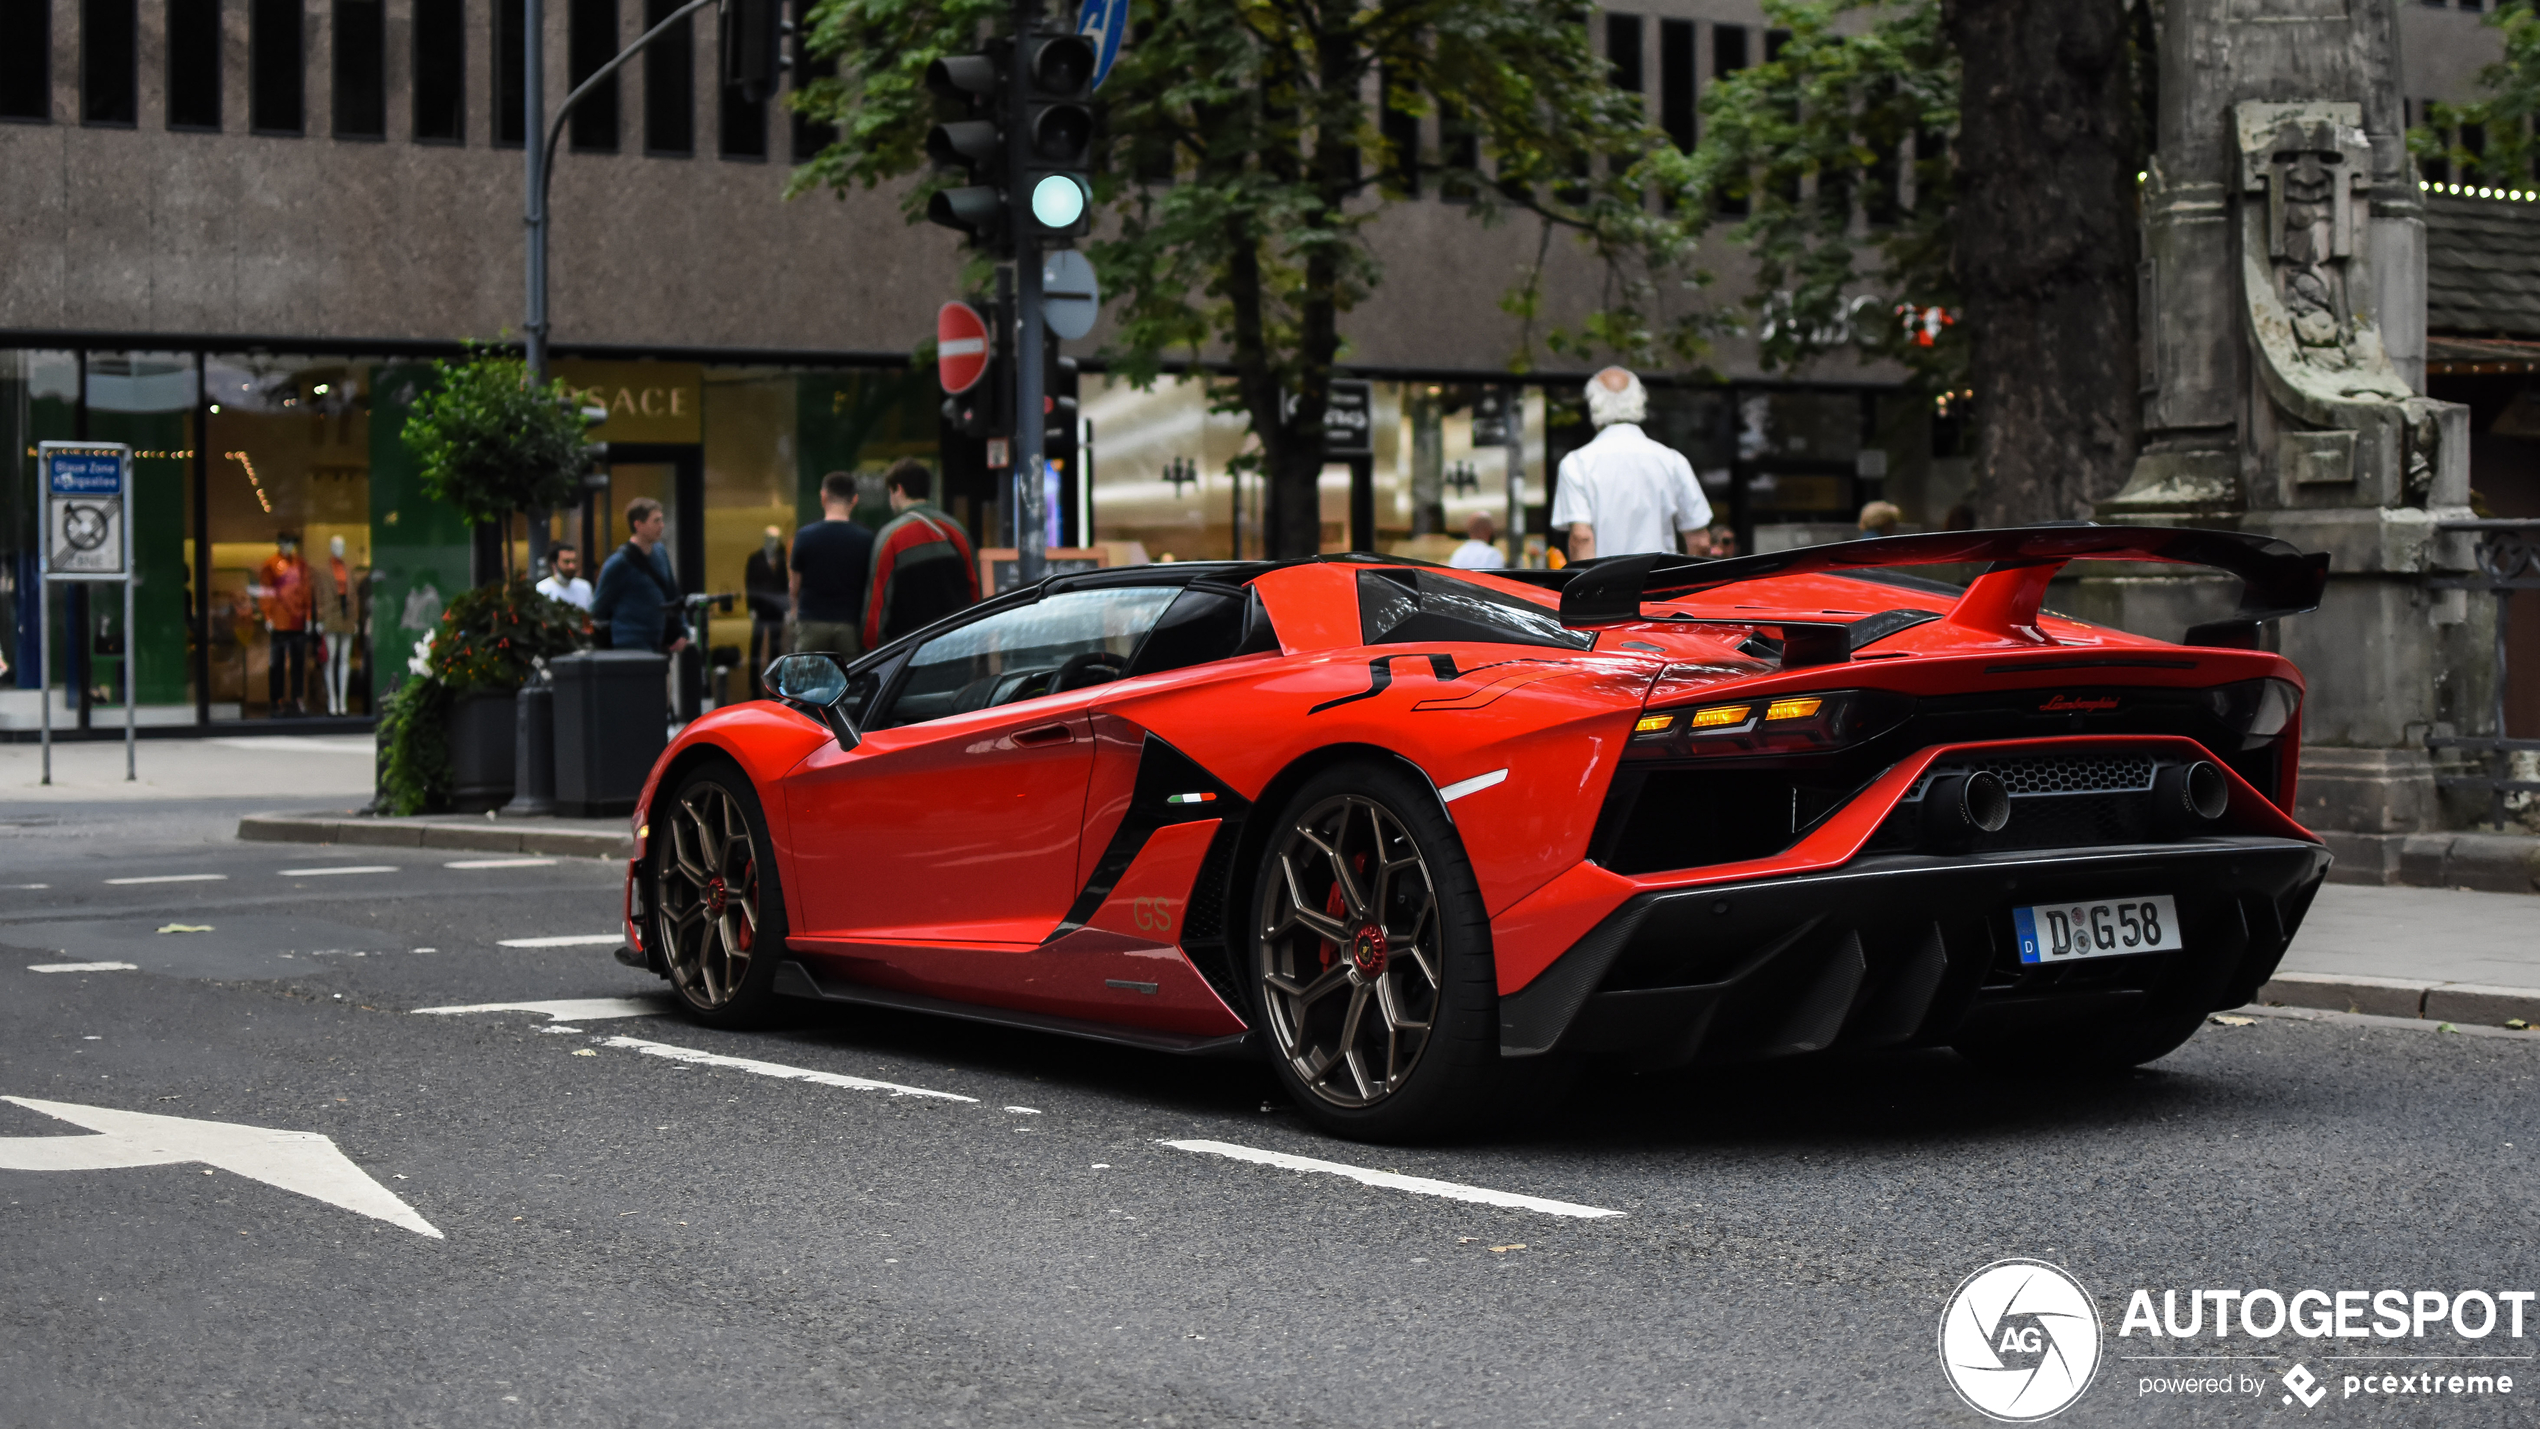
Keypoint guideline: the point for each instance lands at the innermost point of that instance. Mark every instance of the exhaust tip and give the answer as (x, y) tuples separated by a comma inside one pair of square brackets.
[(2205, 792), (1985, 801)]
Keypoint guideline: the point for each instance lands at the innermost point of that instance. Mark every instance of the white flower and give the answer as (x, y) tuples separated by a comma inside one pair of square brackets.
[(421, 661)]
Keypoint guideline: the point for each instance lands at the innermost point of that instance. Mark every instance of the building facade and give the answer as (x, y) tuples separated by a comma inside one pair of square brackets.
[(238, 231)]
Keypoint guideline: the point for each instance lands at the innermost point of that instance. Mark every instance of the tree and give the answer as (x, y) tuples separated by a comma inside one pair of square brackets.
[(2493, 135), (1862, 112), (2024, 122), (1240, 193), (489, 442), (2050, 141)]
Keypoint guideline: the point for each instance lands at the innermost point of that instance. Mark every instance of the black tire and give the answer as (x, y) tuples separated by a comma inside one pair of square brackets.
[(2084, 1052), (1403, 943), (718, 910)]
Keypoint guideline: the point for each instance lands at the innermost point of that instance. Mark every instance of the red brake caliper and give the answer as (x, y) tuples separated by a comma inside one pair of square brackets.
[(1338, 906)]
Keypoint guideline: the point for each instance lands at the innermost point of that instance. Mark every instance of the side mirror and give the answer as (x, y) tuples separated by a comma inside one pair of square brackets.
[(817, 683), (813, 680)]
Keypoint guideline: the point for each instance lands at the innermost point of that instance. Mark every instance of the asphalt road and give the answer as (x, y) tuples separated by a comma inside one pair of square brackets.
[(632, 1239)]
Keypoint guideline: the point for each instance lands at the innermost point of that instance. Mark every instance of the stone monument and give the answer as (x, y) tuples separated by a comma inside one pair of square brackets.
[(2283, 356)]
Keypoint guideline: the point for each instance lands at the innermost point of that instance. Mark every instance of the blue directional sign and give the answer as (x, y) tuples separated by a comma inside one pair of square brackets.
[(1104, 22)]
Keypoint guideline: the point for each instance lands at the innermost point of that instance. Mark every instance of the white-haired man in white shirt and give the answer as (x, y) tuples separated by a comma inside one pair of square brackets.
[(1623, 493)]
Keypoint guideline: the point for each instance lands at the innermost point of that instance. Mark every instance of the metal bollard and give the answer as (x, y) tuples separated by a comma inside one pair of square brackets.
[(534, 757)]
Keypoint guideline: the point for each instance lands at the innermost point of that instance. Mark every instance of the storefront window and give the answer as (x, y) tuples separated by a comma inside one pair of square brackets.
[(287, 507), (147, 401), (1162, 478)]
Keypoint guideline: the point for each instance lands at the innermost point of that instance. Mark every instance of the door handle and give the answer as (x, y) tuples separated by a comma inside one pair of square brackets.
[(1045, 734)]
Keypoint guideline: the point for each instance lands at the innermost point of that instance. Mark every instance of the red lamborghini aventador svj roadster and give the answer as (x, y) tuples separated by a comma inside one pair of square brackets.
[(1389, 825)]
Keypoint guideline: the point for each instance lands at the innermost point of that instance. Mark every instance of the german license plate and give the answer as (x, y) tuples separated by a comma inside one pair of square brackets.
[(2069, 932)]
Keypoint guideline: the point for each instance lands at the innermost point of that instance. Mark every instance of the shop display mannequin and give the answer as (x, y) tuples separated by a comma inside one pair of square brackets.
[(284, 598), (764, 580), (339, 608)]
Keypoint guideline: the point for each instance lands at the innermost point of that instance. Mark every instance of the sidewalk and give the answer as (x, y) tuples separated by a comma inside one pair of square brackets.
[(276, 766), (2438, 954)]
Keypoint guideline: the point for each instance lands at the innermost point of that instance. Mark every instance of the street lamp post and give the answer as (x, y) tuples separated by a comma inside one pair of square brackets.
[(539, 167)]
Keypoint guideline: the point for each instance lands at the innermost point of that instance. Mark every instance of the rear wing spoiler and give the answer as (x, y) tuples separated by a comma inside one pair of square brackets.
[(2276, 579)]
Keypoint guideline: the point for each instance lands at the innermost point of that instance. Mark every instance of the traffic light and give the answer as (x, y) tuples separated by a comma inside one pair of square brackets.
[(754, 56), (975, 142), (1056, 195), (1058, 409)]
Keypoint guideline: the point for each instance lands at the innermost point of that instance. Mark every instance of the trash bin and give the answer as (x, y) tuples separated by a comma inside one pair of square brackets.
[(481, 749), (612, 722)]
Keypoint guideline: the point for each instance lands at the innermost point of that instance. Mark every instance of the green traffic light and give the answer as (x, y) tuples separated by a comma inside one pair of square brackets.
[(1057, 201)]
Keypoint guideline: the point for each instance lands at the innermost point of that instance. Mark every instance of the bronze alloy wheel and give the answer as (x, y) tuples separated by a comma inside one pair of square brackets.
[(1351, 951), (707, 896)]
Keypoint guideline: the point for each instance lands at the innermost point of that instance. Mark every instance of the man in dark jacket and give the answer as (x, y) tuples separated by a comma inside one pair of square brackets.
[(923, 567), (638, 598)]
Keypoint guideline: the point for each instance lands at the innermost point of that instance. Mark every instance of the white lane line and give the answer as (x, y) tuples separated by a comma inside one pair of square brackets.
[(570, 1009), (1474, 785), (82, 968), (568, 940), (779, 1070), (1392, 1181), (502, 863), (336, 868), (175, 878), (25, 885)]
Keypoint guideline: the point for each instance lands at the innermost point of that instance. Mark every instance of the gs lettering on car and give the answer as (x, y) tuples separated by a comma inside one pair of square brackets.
[(1392, 827)]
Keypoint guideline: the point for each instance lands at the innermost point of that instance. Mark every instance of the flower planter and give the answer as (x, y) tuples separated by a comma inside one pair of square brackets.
[(484, 726)]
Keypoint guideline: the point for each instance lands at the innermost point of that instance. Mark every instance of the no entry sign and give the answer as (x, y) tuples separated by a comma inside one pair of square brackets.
[(961, 346)]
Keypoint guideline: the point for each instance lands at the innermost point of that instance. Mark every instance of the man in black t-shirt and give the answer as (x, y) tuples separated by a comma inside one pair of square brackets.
[(832, 558)]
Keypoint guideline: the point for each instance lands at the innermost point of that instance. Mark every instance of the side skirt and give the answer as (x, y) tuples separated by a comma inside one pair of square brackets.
[(793, 979)]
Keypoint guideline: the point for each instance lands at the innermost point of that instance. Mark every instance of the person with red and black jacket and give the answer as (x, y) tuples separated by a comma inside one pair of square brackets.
[(923, 567)]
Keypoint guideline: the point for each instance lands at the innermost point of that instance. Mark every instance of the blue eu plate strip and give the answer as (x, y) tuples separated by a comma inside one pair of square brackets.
[(2024, 923)]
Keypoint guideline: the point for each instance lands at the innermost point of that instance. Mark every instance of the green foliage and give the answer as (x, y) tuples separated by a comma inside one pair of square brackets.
[(414, 744), (489, 443), (2505, 116), (1818, 142), (493, 637), (1247, 160), (490, 638)]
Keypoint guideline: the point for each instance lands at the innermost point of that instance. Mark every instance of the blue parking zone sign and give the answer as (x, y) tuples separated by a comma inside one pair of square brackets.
[(87, 491)]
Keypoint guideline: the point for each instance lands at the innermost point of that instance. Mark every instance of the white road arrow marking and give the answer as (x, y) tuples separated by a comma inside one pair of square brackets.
[(303, 1162)]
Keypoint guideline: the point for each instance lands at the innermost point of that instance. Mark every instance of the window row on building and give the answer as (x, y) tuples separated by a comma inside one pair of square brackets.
[(362, 89), (427, 96)]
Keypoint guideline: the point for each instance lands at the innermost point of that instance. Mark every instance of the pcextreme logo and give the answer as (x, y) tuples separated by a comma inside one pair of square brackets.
[(2020, 1340)]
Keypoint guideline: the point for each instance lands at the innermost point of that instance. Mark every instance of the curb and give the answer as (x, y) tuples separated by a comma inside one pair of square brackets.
[(486, 837), (2487, 863), (2403, 998)]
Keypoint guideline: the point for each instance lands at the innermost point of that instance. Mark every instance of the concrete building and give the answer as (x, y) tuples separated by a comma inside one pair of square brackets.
[(236, 230)]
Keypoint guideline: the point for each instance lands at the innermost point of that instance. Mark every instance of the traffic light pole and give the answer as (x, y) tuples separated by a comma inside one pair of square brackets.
[(1031, 522)]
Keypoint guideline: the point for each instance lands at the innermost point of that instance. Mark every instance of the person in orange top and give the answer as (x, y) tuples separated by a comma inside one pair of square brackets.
[(283, 593)]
